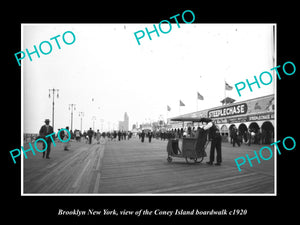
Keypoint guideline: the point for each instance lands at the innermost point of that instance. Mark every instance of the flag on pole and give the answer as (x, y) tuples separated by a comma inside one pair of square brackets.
[(228, 87), (181, 103), (168, 108), (200, 97)]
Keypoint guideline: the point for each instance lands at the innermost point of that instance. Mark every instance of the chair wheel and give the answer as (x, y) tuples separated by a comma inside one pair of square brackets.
[(189, 160), (200, 159)]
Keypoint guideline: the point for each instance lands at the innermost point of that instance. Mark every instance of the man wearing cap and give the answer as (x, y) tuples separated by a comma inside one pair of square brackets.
[(44, 131)]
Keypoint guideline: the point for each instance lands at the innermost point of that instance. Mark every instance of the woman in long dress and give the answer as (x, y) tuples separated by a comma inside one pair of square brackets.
[(98, 135), (66, 137)]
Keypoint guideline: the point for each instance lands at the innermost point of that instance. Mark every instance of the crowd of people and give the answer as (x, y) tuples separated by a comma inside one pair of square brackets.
[(236, 137), (249, 137), (46, 129), (169, 134), (78, 136), (90, 134)]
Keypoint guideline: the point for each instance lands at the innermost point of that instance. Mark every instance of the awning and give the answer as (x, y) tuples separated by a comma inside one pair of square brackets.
[(191, 119)]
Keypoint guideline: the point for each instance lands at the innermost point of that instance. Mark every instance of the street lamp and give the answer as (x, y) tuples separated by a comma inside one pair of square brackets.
[(94, 118), (53, 91), (101, 120), (71, 107), (81, 114)]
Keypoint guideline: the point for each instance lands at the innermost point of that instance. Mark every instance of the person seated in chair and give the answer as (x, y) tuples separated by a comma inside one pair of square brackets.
[(175, 147)]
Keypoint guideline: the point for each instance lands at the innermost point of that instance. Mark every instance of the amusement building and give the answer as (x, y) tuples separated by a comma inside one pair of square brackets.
[(254, 116)]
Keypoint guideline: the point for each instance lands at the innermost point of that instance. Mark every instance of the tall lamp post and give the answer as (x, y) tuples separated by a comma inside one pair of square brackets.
[(94, 118), (71, 107), (101, 120), (53, 91), (81, 114)]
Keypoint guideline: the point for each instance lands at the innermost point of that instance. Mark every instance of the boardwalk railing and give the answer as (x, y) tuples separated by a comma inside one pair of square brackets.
[(29, 137)]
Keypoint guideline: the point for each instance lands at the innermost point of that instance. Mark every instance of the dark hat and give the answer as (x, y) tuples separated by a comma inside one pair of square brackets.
[(47, 120)]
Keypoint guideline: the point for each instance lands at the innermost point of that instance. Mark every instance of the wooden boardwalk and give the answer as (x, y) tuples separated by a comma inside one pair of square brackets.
[(74, 171), (132, 167)]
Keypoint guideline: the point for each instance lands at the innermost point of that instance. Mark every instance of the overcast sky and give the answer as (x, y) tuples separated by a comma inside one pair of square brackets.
[(106, 73)]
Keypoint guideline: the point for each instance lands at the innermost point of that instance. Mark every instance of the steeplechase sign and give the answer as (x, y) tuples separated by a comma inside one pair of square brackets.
[(228, 111)]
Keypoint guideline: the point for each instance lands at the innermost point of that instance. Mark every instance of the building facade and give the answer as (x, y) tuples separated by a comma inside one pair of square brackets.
[(256, 116)]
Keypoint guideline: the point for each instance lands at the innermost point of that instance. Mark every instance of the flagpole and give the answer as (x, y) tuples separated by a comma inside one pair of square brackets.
[(224, 91), (167, 117), (273, 46)]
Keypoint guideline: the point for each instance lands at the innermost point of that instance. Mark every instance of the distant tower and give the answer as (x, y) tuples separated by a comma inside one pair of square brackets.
[(124, 125), (126, 122)]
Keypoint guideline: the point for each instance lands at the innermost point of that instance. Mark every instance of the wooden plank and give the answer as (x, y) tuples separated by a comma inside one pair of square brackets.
[(134, 167), (145, 171)]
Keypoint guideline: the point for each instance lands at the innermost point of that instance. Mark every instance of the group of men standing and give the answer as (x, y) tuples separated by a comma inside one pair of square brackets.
[(143, 134)]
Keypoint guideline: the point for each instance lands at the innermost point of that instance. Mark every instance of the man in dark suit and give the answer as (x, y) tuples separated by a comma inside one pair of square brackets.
[(235, 138), (216, 144), (90, 134), (143, 135), (44, 131), (150, 136)]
